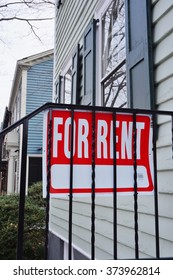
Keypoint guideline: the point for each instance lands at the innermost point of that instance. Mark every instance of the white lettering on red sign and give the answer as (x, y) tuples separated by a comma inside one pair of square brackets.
[(101, 138)]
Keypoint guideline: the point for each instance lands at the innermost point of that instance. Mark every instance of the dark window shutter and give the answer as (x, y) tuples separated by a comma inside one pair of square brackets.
[(80, 77), (58, 90), (74, 85), (77, 75), (138, 51), (89, 64)]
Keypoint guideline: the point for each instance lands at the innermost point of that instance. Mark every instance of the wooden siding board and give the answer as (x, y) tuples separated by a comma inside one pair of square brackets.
[(165, 180), (163, 27), (125, 252), (161, 8), (154, 2), (164, 50), (166, 206), (166, 248), (60, 231), (164, 91), (82, 223), (164, 71)]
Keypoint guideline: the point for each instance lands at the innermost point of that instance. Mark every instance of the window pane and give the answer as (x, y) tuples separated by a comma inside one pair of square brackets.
[(87, 40), (88, 74), (67, 86), (114, 88), (113, 43)]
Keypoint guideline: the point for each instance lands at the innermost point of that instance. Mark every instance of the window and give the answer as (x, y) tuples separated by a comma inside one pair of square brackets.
[(35, 170), (113, 54), (67, 86), (58, 90), (63, 86)]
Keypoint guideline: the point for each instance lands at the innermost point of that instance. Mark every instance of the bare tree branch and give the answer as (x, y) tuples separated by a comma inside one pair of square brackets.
[(28, 3), (24, 19), (28, 11)]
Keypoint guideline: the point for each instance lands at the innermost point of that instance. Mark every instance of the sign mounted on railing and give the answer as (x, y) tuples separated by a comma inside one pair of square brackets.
[(113, 142)]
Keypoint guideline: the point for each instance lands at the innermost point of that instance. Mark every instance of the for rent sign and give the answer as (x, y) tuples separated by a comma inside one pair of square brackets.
[(112, 139)]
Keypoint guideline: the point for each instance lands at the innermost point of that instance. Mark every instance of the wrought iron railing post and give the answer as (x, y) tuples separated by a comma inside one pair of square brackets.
[(1, 142), (156, 187), (115, 187), (135, 187), (93, 189), (71, 189), (19, 254), (172, 133), (49, 147)]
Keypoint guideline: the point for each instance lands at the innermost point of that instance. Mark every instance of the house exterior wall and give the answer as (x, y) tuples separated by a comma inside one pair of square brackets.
[(67, 35), (32, 87), (163, 60), (39, 91)]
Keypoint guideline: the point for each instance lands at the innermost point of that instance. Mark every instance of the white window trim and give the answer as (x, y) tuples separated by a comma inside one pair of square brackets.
[(100, 11)]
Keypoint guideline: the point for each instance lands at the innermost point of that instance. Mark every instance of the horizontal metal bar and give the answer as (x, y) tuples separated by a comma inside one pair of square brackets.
[(148, 259), (47, 106)]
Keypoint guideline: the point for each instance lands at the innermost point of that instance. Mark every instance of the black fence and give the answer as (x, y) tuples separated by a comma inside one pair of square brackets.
[(115, 113)]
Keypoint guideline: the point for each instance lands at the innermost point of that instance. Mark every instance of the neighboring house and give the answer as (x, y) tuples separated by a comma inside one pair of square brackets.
[(115, 53), (32, 87)]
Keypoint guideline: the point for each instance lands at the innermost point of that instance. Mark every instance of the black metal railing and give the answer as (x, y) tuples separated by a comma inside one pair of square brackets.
[(114, 111)]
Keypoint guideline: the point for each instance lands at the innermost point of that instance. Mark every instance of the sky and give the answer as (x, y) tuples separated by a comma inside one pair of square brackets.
[(17, 42)]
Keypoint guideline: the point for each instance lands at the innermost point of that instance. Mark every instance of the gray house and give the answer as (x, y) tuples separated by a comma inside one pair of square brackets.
[(32, 87), (116, 53)]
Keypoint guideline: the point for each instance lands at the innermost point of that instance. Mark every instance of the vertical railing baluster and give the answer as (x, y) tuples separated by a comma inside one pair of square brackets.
[(49, 148), (135, 188), (172, 133), (156, 187), (93, 189), (19, 254), (71, 188), (1, 151), (115, 187)]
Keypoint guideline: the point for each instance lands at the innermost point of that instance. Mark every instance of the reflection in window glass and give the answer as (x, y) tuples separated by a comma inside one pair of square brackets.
[(113, 55), (67, 86), (115, 89), (113, 36)]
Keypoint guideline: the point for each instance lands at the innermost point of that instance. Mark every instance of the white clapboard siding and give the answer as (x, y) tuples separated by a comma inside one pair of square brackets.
[(162, 25), (163, 59), (104, 226), (165, 180), (164, 91)]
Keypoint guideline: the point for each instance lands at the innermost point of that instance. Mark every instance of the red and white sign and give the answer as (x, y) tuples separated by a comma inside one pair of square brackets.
[(104, 152)]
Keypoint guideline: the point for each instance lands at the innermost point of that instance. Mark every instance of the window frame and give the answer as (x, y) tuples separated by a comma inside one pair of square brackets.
[(64, 71), (58, 87), (100, 11)]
